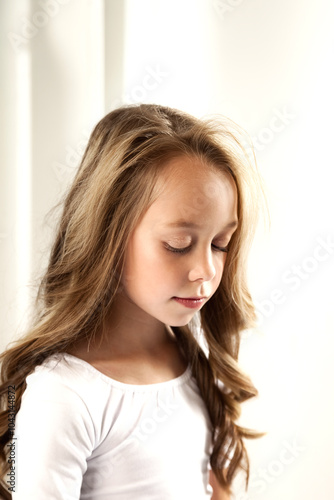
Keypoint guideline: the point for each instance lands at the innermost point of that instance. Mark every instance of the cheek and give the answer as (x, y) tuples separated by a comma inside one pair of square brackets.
[(220, 270), (145, 269), (133, 269)]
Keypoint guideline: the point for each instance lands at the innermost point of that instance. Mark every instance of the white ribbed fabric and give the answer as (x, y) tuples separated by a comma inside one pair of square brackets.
[(82, 435)]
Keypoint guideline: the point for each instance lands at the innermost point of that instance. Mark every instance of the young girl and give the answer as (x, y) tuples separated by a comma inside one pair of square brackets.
[(116, 395)]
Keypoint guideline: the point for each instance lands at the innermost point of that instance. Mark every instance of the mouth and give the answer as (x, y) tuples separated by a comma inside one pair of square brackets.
[(191, 302)]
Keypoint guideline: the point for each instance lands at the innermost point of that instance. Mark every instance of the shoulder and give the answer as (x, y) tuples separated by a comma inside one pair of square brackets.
[(55, 427), (65, 384), (60, 372), (66, 370), (67, 397)]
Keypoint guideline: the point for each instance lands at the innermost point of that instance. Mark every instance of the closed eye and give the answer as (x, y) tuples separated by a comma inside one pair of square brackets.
[(186, 249), (177, 250), (220, 249)]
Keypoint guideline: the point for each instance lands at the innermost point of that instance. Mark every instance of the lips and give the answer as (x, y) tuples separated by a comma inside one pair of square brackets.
[(191, 302)]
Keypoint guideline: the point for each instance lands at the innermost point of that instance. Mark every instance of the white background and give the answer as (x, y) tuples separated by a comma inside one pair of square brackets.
[(266, 64)]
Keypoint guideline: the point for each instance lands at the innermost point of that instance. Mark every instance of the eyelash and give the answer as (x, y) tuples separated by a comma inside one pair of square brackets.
[(185, 250)]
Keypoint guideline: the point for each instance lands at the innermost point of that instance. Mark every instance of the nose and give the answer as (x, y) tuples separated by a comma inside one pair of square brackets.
[(202, 267)]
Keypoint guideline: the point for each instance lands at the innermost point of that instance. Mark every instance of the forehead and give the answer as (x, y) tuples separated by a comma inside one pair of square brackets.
[(187, 177), (194, 191)]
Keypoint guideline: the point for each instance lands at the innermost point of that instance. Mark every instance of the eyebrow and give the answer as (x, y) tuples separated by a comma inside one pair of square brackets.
[(182, 223)]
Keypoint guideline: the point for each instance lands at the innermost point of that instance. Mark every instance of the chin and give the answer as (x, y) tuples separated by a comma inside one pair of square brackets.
[(180, 322)]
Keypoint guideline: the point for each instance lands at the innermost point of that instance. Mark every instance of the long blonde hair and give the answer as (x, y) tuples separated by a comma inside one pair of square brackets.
[(112, 189)]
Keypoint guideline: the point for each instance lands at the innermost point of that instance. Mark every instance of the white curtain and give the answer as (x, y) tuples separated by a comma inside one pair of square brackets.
[(61, 69), (268, 66)]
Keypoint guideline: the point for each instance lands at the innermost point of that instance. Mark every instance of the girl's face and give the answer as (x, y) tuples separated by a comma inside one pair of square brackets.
[(176, 255)]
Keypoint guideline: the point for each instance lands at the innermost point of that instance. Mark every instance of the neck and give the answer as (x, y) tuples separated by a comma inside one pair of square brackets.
[(133, 347), (129, 329)]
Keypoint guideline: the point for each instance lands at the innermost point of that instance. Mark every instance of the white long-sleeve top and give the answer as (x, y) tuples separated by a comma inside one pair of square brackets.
[(82, 435)]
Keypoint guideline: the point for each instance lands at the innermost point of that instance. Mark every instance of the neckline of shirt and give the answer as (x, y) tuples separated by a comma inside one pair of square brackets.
[(177, 381)]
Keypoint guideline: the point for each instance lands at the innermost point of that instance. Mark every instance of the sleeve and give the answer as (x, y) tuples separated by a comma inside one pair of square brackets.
[(54, 437)]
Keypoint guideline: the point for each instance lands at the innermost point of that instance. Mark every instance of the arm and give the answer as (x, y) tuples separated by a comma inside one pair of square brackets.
[(54, 438), (218, 492)]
